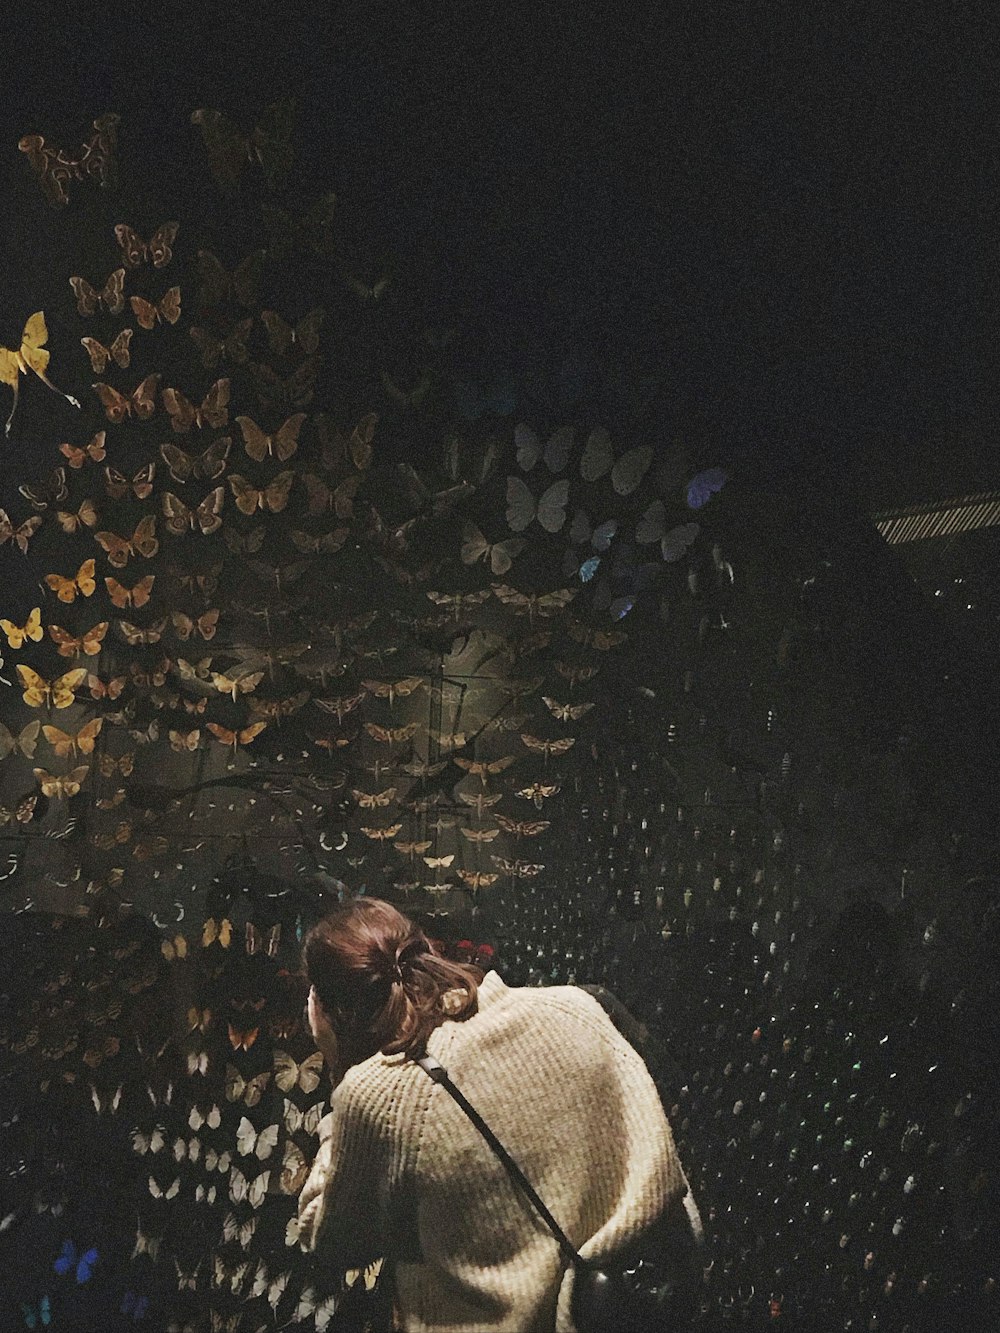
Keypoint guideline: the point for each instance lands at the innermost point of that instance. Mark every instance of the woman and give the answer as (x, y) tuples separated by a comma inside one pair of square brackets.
[(402, 1172)]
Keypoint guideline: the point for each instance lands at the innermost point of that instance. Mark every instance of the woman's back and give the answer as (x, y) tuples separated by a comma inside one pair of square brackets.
[(571, 1101)]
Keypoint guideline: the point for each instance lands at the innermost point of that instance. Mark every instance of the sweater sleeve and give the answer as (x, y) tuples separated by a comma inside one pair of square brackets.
[(339, 1217)]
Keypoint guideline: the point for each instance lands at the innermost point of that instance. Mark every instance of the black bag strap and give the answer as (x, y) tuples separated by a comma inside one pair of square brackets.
[(439, 1074)]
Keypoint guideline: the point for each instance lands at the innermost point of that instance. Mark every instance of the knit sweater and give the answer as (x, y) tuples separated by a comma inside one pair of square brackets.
[(402, 1171)]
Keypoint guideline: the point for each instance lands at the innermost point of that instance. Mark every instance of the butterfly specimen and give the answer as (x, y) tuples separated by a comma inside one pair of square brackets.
[(523, 828), (321, 1311), (701, 488), (94, 451), (59, 788), (72, 645), (548, 747), (355, 449), (31, 629), (31, 355), (205, 625), (167, 310), (289, 1074), (339, 499), (566, 712), (409, 397), (242, 285), (458, 600), (281, 444), (108, 766), (248, 1091), (241, 1038), (480, 834), (85, 517), (118, 352), (49, 491), (483, 768), (244, 736), (136, 596), (517, 869), (22, 813), (118, 485), (231, 346), (311, 231), (134, 636), (381, 834), (626, 472), (214, 409), (600, 639), (229, 148), (294, 1169), (549, 508), (283, 337), (203, 517), (499, 555), (210, 464), (272, 496), (391, 735), (236, 685), (532, 604), (55, 168), (252, 1191), (393, 689), (285, 395), (141, 402), (261, 1144), (170, 1192), (478, 879), (157, 249), (58, 693), (575, 673), (22, 534), (81, 1264), (674, 541), (24, 743), (143, 542), (324, 543)]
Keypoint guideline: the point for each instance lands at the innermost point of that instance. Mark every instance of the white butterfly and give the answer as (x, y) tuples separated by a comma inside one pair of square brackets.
[(217, 1161), (243, 1232), (152, 1142), (599, 457), (191, 1149), (203, 1195), (197, 1062), (222, 1274), (369, 1274), (165, 1100), (275, 1288), (549, 508), (288, 1073), (252, 1191), (323, 1311), (213, 1119), (110, 1104), (305, 1121), (170, 1192), (292, 1229), (262, 1144), (529, 448)]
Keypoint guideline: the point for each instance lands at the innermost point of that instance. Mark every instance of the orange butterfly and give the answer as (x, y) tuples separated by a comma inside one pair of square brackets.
[(85, 517), (210, 464), (140, 403), (31, 629), (82, 581), (22, 534), (273, 496), (157, 248), (100, 355), (150, 313), (234, 738), (214, 409), (205, 624), (136, 596), (89, 642), (94, 451), (100, 689), (205, 516), (134, 636), (111, 295), (281, 445), (117, 485), (59, 787), (65, 743), (142, 542)]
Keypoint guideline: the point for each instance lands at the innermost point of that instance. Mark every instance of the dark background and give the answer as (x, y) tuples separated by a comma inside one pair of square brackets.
[(792, 211)]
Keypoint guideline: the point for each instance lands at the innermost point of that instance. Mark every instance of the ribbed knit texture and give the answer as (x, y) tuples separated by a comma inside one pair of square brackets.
[(572, 1103)]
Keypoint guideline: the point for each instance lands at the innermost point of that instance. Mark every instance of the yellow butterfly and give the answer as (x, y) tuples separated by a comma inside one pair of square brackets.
[(221, 931), (175, 948), (85, 517), (30, 356), (59, 787), (64, 743), (31, 629), (58, 693), (24, 743), (82, 581)]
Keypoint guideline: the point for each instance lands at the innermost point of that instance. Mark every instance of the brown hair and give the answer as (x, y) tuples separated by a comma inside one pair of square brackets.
[(381, 980)]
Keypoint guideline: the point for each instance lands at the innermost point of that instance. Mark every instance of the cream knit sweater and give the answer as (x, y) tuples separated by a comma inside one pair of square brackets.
[(399, 1161)]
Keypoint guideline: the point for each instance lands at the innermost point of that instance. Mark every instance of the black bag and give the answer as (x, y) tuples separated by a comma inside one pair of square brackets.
[(650, 1286)]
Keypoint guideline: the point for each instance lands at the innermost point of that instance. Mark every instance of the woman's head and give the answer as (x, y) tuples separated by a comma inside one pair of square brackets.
[(380, 981)]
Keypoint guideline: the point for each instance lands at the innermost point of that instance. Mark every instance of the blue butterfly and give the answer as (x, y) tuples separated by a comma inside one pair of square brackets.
[(70, 1259), (135, 1305), (701, 488), (42, 1315), (474, 402)]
